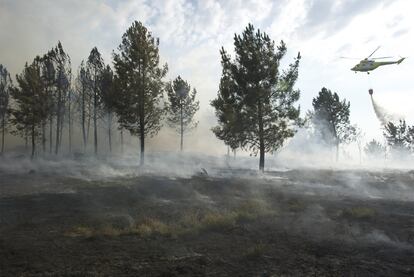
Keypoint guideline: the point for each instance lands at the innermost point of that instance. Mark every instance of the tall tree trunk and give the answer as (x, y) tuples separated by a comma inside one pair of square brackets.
[(262, 157), (83, 115), (110, 132), (58, 122), (261, 138), (70, 123), (337, 152), (110, 139), (142, 141), (182, 126), (95, 130), (122, 141), (44, 136), (62, 121), (142, 116), (336, 137), (3, 131), (142, 131), (33, 141), (89, 123), (50, 134), (26, 140)]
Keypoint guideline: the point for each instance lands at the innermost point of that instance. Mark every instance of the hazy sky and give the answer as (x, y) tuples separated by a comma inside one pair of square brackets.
[(192, 32)]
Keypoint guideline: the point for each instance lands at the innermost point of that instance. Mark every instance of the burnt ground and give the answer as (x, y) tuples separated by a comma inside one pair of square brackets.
[(293, 223)]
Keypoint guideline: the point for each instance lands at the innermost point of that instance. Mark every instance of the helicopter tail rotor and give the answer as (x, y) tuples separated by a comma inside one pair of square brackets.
[(400, 60)]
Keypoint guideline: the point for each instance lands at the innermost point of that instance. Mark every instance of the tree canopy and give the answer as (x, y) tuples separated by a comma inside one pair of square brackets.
[(400, 137), (374, 150), (30, 108), (255, 104), (139, 80), (330, 118), (181, 106)]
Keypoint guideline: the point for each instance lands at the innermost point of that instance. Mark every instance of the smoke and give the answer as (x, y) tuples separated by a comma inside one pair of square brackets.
[(320, 205), (383, 115)]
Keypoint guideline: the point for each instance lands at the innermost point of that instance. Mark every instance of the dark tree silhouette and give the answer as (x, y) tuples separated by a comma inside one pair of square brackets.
[(84, 98), (262, 97), (230, 128), (108, 100), (5, 86), (330, 117), (139, 82), (95, 66), (58, 68), (400, 137), (30, 109), (49, 80)]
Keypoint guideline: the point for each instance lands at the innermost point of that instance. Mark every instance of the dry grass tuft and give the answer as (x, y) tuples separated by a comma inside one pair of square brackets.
[(295, 205), (109, 231), (252, 209), (218, 221), (256, 251), (152, 226), (359, 213), (190, 222), (80, 231)]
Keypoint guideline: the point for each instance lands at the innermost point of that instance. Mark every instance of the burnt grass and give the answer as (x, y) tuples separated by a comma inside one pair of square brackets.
[(294, 223)]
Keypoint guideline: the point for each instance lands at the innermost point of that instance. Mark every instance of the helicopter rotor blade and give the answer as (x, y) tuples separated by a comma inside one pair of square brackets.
[(348, 58), (389, 57), (374, 52)]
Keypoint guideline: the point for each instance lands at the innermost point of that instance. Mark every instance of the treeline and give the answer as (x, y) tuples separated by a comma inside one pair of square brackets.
[(48, 99), (256, 104), (399, 143), (329, 122)]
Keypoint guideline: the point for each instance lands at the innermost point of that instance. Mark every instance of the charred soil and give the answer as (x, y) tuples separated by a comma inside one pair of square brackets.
[(294, 223)]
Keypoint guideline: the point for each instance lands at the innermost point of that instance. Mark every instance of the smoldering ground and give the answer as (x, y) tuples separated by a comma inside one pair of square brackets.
[(192, 215)]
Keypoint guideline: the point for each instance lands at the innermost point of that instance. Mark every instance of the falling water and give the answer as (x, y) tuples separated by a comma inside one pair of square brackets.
[(382, 114)]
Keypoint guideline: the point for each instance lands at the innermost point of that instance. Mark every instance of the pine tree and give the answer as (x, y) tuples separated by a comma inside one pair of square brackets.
[(181, 107), (49, 80), (5, 86), (60, 68), (374, 150), (409, 137), (69, 110), (139, 82), (83, 99), (107, 96), (95, 66), (30, 108), (330, 117), (257, 106), (399, 137), (226, 106)]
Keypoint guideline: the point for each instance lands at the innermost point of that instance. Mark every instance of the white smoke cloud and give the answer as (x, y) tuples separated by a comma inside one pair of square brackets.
[(383, 115)]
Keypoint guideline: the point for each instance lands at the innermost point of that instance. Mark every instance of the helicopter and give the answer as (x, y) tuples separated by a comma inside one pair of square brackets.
[(368, 64)]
